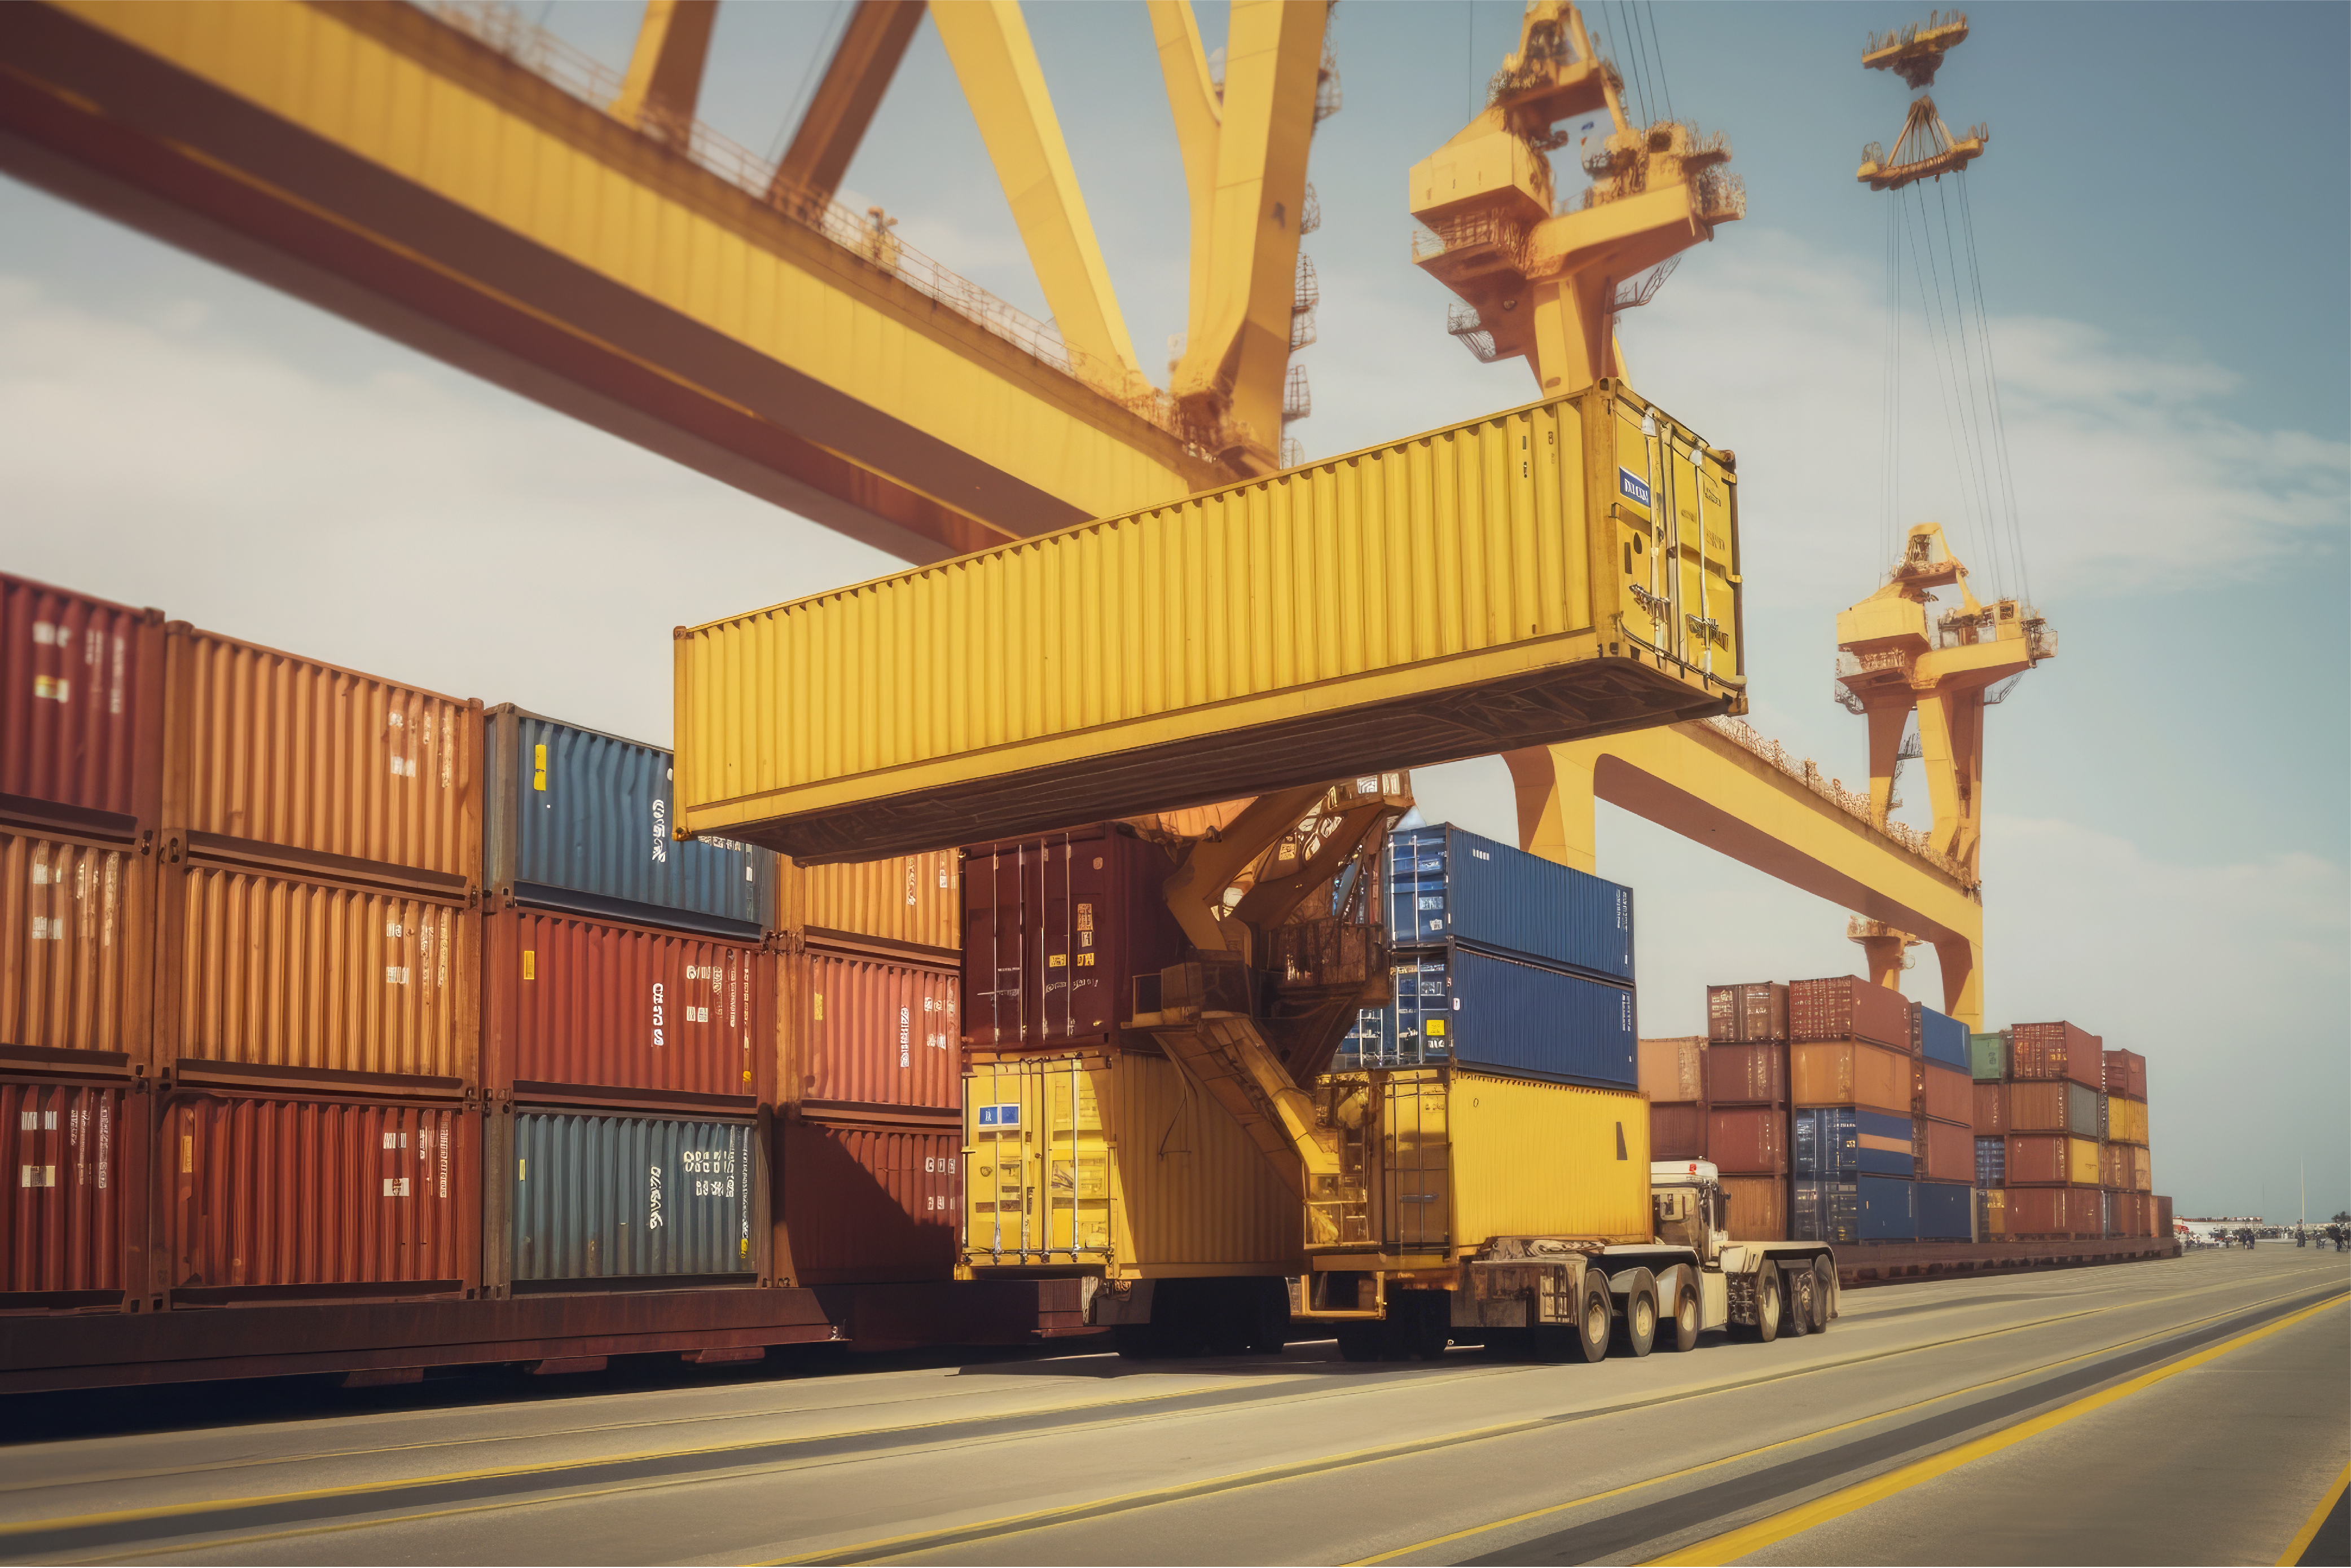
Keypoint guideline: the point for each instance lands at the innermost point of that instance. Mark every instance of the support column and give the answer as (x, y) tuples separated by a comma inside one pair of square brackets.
[(1558, 815), (1962, 962), (1887, 723), (664, 79)]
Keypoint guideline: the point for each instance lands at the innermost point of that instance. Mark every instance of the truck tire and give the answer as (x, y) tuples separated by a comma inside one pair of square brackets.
[(1594, 1318), (1767, 1303), (1361, 1341), (1685, 1320), (1823, 1295), (1638, 1328), (1796, 1302)]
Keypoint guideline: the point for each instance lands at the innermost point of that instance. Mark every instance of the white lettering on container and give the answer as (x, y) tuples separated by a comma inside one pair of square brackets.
[(654, 1221), (657, 1015), (395, 1187)]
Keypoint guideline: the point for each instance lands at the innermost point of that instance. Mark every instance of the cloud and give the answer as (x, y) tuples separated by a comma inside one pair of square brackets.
[(403, 520)]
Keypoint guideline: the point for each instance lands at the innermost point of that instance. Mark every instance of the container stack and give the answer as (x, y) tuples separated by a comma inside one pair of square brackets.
[(1749, 1134), (870, 1097), (81, 729), (2129, 1175), (2040, 1162), (1673, 1076), (1851, 1083), (628, 998), (1942, 1113)]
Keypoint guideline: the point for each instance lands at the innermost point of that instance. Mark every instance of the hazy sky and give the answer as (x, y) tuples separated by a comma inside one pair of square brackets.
[(2165, 239)]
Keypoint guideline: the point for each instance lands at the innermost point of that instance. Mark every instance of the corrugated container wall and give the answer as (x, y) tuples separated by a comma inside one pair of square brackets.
[(270, 751), (269, 1195), (77, 924), (2125, 1073), (1942, 1039), (2052, 1107), (1849, 1072), (1748, 1075), (74, 1222), (1747, 1140), (1890, 1209), (1991, 1161), (1946, 1095), (2048, 1051), (1678, 1131), (873, 1032), (1848, 1007), (630, 1198), (1675, 1069), (1759, 1208), (1947, 1151), (1502, 1017), (1945, 1211), (571, 1001), (582, 821), (1988, 1057), (2053, 1211), (1991, 1108), (1055, 930), (915, 899), (81, 709), (2037, 1159), (261, 969), (1741, 1013), (869, 1202), (1542, 1159), (1826, 1211), (2127, 1121), (1447, 883), (1325, 621), (1841, 1142)]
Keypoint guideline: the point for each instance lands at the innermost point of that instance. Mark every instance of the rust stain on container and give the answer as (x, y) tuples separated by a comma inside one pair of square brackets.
[(870, 1031), (72, 1225), (81, 709), (2047, 1051), (1741, 1014), (77, 923), (1674, 1069), (269, 752), (1759, 1208), (574, 1003), (1847, 1007), (870, 1202), (913, 899), (264, 970), (272, 1198), (1749, 1140), (1850, 1072), (1747, 1075), (2125, 1073)]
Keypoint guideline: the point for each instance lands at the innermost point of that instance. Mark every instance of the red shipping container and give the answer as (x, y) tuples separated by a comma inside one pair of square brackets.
[(1055, 931), (1848, 1007), (2063, 1212), (1991, 1117), (571, 1004), (2050, 1050), (864, 1030), (1747, 1075), (81, 711), (77, 923), (1677, 1132), (1742, 1015), (281, 1198), (2161, 1224), (1747, 1140), (868, 1201), (2125, 1073), (1946, 1151), (73, 1231), (1946, 1094)]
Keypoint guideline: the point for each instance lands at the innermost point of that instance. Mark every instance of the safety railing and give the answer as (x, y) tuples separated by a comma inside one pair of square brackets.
[(1806, 772)]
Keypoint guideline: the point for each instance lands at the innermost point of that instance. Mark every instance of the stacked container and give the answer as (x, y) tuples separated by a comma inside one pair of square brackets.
[(2128, 1174), (81, 728), (2041, 1165), (1849, 1057), (1942, 1113), (629, 998), (1749, 1134), (1673, 1076)]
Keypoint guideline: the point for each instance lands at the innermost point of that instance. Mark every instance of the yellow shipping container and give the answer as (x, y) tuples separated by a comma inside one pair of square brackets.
[(913, 899), (2125, 1120), (1117, 1162), (1564, 570), (2082, 1161), (1441, 1161)]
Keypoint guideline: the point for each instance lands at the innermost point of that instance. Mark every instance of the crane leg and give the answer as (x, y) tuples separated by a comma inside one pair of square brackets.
[(1557, 817)]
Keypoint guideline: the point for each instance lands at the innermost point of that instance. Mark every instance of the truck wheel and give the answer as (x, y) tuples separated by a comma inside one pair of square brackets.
[(1823, 1295), (1685, 1320), (1361, 1341), (1767, 1303), (1641, 1321), (1796, 1302), (1595, 1319)]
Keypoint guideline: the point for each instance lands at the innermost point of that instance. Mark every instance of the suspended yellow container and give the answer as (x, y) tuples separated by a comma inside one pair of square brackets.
[(1564, 570), (1436, 1162), (1116, 1164)]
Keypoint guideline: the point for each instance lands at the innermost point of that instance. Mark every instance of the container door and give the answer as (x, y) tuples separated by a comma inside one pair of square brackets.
[(1416, 1165), (1038, 1171)]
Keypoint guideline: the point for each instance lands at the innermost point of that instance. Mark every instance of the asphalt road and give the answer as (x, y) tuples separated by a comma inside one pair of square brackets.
[(2195, 1410)]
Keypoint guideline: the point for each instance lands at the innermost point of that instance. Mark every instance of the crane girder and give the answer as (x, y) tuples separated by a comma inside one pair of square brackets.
[(664, 79), (854, 79)]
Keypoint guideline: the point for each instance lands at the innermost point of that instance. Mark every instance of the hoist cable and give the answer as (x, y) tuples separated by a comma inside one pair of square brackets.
[(1923, 265), (2000, 420), (1657, 50), (1978, 414), (822, 55)]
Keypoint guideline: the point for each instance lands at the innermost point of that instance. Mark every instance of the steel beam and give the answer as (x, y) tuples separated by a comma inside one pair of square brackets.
[(854, 80)]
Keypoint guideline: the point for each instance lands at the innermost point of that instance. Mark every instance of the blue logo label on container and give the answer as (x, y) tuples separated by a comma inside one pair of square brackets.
[(1632, 487), (999, 1115)]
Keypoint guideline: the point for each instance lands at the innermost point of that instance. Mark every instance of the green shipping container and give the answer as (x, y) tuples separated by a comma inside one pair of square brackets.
[(1988, 1054)]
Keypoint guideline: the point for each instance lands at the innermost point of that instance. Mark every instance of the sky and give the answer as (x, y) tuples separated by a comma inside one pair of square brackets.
[(2163, 231)]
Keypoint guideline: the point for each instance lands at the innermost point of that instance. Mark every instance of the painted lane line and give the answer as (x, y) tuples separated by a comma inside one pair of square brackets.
[(2299, 1547), (1736, 1544)]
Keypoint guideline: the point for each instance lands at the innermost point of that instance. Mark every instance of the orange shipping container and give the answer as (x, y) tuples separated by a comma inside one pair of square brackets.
[(273, 1199), (2142, 1171), (72, 1231), (2046, 1159), (870, 1031), (1674, 1070), (270, 756), (1991, 1110), (2052, 1212), (1759, 1208), (1947, 1152), (1944, 1093), (258, 969), (869, 1202), (1850, 1072), (571, 1004), (915, 900), (77, 920)]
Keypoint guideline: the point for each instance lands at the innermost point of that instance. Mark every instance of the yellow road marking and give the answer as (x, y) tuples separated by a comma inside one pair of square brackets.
[(2302, 1537), (1734, 1544)]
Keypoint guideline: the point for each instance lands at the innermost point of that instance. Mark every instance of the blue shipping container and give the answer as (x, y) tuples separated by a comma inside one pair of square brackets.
[(1991, 1162), (1500, 1015), (1940, 1039), (1445, 884), (1838, 1141), (628, 1198), (581, 821), (1890, 1209), (1824, 1211), (1947, 1211)]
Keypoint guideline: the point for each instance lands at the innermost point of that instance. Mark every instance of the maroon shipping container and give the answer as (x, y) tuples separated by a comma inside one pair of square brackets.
[(1740, 1014), (2050, 1050), (570, 1004), (1946, 1094), (73, 1233), (2049, 1159), (1677, 1132), (1944, 1151), (1055, 930), (2123, 1074), (1747, 1140), (1991, 1117), (1848, 1007), (2063, 1212), (1747, 1075), (868, 1201), (283, 1199), (2161, 1222), (81, 711), (870, 1031)]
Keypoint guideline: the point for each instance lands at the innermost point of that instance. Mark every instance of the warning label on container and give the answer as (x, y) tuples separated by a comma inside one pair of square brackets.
[(1000, 1115), (1632, 487)]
